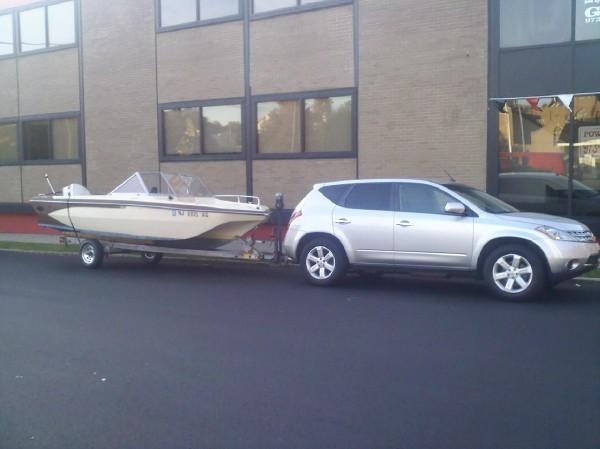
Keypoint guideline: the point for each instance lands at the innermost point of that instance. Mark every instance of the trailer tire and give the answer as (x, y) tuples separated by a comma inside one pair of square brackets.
[(91, 254), (151, 258)]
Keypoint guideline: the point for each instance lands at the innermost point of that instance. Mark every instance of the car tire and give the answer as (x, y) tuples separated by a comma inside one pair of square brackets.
[(91, 254), (515, 273), (151, 258), (323, 261)]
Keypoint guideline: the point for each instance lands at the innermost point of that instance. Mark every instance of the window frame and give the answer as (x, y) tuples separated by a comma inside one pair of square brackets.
[(17, 28), (19, 121), (297, 9), (196, 23), (202, 156), (301, 97)]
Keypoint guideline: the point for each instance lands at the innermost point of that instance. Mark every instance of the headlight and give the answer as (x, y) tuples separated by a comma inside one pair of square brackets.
[(554, 234)]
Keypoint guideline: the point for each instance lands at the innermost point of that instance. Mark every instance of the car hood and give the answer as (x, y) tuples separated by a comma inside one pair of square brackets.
[(564, 224)]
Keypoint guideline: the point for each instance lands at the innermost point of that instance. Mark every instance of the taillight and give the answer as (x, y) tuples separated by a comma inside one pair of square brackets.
[(296, 214)]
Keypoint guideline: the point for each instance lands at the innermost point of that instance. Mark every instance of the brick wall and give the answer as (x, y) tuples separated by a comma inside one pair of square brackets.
[(422, 89)]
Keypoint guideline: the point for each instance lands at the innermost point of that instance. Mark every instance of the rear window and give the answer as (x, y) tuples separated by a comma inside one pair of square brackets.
[(335, 193), (370, 196)]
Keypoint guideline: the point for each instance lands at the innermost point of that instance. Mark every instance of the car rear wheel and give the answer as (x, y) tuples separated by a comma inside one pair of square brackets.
[(515, 273), (323, 261), (91, 254)]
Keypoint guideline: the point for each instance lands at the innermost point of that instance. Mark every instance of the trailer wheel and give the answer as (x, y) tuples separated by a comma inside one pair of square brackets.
[(151, 258), (91, 254)]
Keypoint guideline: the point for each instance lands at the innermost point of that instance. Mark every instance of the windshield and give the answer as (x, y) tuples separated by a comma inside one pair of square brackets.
[(481, 199), (157, 183)]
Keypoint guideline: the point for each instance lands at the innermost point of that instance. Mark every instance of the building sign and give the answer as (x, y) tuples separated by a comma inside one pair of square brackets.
[(589, 154), (588, 20)]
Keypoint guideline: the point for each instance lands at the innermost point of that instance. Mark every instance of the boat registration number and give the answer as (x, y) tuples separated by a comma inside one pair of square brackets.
[(188, 213)]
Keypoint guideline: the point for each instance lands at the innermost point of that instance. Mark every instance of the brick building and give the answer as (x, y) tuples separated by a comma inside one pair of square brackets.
[(265, 96)]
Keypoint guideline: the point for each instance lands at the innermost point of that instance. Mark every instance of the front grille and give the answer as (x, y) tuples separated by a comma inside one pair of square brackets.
[(582, 236)]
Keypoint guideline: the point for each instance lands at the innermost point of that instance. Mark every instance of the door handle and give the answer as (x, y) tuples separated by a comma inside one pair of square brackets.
[(404, 223), (342, 221)]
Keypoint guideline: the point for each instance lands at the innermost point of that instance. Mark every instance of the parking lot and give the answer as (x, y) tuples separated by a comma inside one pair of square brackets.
[(236, 355)]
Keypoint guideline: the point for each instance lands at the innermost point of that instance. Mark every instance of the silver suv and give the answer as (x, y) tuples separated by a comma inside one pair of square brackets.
[(415, 225)]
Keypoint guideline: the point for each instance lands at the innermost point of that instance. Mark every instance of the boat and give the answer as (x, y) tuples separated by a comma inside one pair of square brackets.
[(151, 209)]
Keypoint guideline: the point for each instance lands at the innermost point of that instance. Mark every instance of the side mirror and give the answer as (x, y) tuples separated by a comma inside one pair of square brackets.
[(455, 208)]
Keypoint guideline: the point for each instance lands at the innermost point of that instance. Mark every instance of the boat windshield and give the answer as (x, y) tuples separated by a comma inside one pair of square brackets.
[(158, 183)]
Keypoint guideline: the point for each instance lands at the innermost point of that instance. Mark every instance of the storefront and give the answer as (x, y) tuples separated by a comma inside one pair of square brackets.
[(544, 131)]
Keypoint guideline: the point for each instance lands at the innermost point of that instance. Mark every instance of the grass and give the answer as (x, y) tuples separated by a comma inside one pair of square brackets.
[(50, 247), (592, 274)]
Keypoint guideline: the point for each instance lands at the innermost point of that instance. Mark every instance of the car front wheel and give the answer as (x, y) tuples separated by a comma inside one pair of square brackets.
[(515, 273), (323, 261)]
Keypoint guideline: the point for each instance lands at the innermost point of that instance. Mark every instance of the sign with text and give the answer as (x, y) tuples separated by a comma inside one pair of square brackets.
[(589, 154), (588, 20)]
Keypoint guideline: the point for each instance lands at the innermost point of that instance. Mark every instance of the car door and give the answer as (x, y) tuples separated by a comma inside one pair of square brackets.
[(364, 223), (426, 235)]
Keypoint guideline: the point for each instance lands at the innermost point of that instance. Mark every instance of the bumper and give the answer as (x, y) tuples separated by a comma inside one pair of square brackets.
[(570, 259), (290, 244)]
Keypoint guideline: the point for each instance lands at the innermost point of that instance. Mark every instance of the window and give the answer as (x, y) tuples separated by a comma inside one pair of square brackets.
[(54, 139), (218, 132), (423, 198), (328, 124), (586, 170), (213, 9), (534, 22), (60, 19), (61, 26), (175, 12), (6, 35), (278, 127), (335, 193), (308, 124), (222, 126), (8, 143), (182, 131), (533, 151), (178, 12), (370, 196), (262, 6), (32, 25), (270, 5), (587, 24)]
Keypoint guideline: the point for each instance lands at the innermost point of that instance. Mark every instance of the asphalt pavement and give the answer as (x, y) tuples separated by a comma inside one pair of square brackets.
[(237, 355)]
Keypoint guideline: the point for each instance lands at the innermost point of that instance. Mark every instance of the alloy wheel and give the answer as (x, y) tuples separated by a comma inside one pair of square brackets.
[(512, 273), (320, 262)]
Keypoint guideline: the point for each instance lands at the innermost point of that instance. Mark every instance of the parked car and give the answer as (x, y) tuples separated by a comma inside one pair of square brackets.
[(539, 191), (416, 225)]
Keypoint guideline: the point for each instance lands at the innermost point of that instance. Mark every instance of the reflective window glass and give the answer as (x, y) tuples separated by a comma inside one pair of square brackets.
[(534, 22), (32, 28), (587, 22), (370, 196), (61, 24), (328, 124), (36, 140), (586, 170), (6, 35), (270, 5), (65, 138), (423, 198), (533, 153), (182, 131), (222, 129), (8, 143), (278, 127), (175, 12), (213, 9)]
